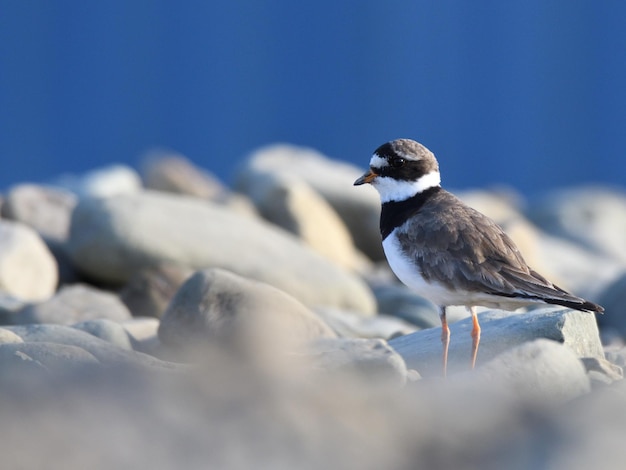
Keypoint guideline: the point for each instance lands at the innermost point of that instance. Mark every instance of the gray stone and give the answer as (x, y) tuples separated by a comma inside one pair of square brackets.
[(75, 303), (355, 325), (592, 431), (401, 302), (223, 416), (102, 182), (51, 356), (501, 331), (602, 371), (9, 308), (107, 353), (541, 370), (27, 268), (359, 208), (168, 171), (293, 205), (107, 330), (372, 359), (143, 334), (246, 315), (7, 336), (171, 172), (593, 216), (110, 239), (149, 291), (45, 209), (617, 356)]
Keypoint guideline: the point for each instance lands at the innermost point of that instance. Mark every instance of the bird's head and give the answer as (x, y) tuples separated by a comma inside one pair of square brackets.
[(400, 169)]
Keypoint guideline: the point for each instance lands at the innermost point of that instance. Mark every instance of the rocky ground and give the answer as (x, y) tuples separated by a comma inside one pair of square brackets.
[(159, 319)]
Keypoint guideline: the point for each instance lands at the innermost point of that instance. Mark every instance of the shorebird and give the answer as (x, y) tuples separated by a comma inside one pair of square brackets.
[(446, 251)]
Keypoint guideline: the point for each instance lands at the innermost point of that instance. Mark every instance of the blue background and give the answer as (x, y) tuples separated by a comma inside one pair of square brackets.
[(529, 94)]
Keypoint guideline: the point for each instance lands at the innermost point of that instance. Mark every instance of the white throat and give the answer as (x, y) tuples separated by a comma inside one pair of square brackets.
[(391, 189)]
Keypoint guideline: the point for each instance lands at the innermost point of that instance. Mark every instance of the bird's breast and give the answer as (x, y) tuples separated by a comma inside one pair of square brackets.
[(404, 266)]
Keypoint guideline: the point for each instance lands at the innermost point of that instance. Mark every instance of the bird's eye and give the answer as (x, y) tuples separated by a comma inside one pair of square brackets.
[(397, 162)]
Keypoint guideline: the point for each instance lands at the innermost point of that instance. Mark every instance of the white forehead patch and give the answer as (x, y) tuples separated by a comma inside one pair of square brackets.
[(378, 162), (391, 189)]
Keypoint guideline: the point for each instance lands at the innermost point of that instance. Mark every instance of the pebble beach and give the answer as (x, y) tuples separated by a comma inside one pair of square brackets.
[(159, 318)]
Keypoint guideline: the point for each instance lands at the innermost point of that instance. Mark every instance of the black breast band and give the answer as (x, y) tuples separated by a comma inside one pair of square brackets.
[(395, 213)]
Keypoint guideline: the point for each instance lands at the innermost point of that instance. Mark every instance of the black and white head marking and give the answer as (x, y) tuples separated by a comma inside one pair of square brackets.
[(402, 169)]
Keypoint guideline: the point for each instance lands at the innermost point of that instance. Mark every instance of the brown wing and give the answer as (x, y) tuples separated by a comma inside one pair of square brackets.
[(462, 247)]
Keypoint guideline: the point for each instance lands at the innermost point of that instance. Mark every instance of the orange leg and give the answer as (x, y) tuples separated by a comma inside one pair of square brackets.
[(445, 338), (475, 335)]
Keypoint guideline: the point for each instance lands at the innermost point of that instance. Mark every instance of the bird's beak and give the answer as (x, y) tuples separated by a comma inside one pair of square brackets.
[(366, 178)]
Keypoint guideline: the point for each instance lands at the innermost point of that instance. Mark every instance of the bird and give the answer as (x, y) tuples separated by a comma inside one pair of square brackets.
[(445, 250)]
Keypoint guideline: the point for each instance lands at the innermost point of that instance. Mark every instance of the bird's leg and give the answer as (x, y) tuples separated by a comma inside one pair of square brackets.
[(475, 334), (445, 338)]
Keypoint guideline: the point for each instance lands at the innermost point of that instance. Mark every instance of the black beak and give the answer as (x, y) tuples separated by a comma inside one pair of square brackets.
[(366, 178)]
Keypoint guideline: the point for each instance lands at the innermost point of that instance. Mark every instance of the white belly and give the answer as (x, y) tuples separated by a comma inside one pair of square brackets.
[(410, 275)]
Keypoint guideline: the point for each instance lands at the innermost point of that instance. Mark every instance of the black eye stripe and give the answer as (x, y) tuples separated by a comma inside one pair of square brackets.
[(411, 170)]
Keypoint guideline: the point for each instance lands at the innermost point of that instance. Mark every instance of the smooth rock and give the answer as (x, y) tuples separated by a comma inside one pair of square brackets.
[(293, 205), (51, 356), (215, 305), (149, 291), (372, 359), (501, 331), (7, 336), (107, 353), (540, 370), (355, 325), (75, 303), (143, 334), (401, 302), (110, 239), (46, 209), (222, 416), (10, 307), (617, 356), (104, 182), (168, 171), (601, 371), (359, 208), (591, 430), (27, 268), (593, 216), (171, 172), (107, 330)]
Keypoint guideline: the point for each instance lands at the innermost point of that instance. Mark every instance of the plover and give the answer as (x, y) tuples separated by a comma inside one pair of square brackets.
[(446, 251)]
